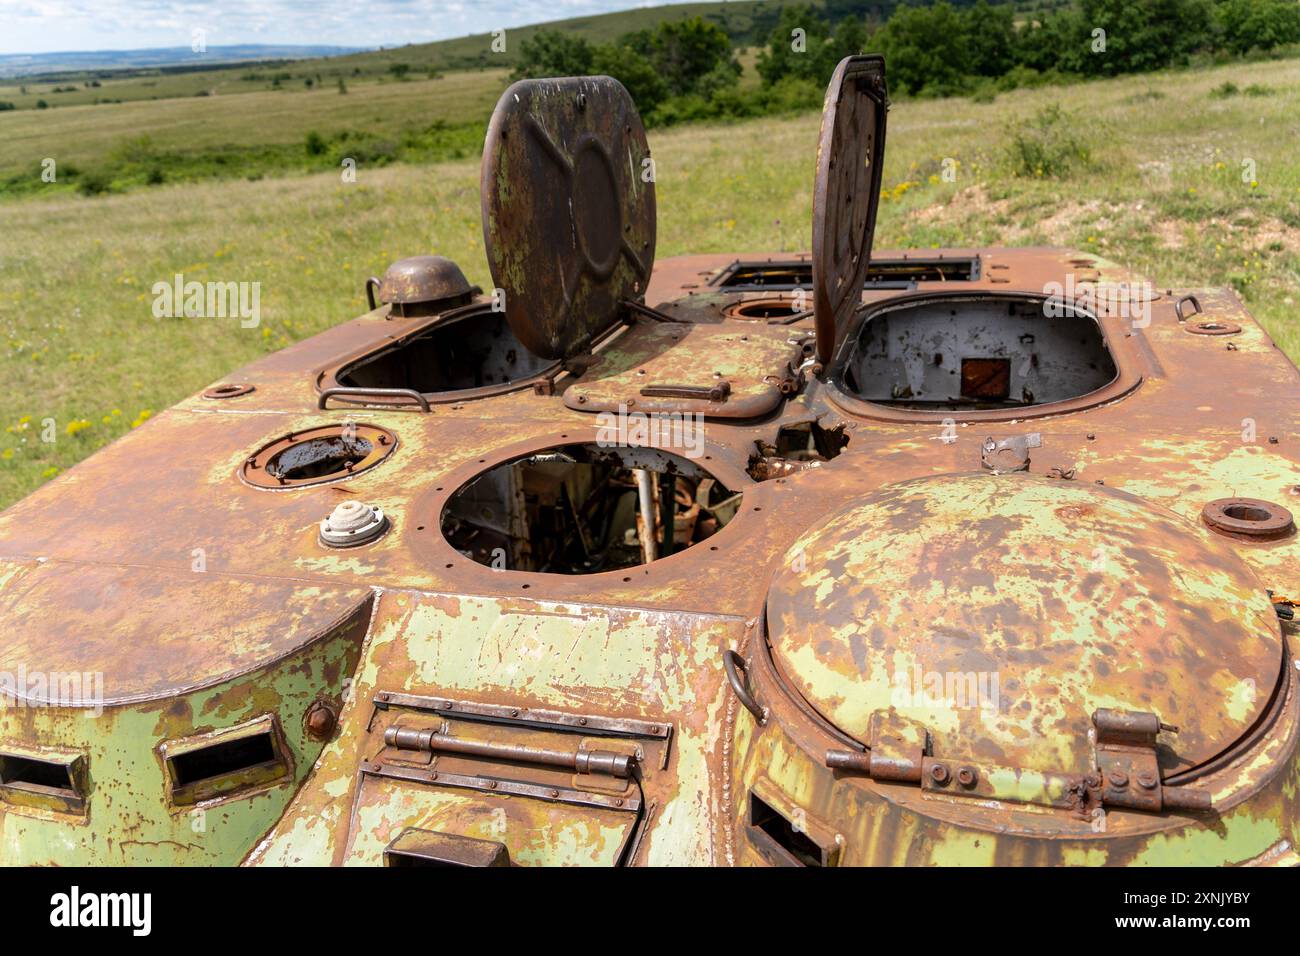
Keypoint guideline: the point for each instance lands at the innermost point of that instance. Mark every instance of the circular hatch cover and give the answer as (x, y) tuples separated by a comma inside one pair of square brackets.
[(850, 155), (1002, 611), (568, 209)]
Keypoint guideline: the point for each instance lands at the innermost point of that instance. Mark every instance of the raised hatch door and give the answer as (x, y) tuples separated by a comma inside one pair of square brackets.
[(850, 157), (568, 209)]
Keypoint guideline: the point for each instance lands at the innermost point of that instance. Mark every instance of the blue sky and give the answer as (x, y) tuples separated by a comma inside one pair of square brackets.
[(43, 26)]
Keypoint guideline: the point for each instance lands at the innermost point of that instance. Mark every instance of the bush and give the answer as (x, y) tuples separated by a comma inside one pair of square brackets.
[(315, 143), (1048, 144), (94, 183)]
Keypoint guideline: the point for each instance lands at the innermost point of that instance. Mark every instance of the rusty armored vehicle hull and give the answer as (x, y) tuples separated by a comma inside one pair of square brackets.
[(969, 556)]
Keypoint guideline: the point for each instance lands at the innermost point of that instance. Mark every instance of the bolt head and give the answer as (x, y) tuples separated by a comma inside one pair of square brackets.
[(1118, 778), (321, 721), (939, 773)]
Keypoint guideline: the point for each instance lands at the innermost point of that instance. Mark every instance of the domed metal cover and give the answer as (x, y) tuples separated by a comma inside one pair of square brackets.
[(1002, 611), (422, 279), (568, 209), (850, 157)]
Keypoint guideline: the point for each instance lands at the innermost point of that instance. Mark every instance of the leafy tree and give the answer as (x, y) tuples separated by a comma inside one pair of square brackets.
[(794, 45), (1138, 36), (991, 38), (1258, 24), (553, 53), (634, 71), (926, 48), (686, 51), (849, 38)]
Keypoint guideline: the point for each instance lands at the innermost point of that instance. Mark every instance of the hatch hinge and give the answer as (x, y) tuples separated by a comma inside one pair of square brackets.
[(899, 746), (1130, 772), (1127, 774)]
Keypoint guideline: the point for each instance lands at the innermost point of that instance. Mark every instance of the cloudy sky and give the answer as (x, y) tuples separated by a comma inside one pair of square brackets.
[(43, 26)]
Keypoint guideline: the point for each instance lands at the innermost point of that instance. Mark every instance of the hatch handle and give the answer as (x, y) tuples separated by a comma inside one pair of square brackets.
[(734, 665), (351, 394), (1178, 307), (716, 392), (371, 285)]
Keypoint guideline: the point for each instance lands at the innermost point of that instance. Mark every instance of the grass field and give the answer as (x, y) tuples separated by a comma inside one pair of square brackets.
[(1164, 195)]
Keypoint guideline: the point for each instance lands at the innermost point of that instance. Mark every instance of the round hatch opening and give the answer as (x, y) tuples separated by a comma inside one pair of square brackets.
[(461, 355), (1002, 611), (765, 309), (586, 509), (318, 455)]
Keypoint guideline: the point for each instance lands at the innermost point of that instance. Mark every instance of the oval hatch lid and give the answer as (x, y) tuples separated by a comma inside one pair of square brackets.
[(850, 157), (568, 209), (1001, 611)]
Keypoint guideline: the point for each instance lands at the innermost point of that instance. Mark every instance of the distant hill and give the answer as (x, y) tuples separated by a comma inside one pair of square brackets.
[(29, 64)]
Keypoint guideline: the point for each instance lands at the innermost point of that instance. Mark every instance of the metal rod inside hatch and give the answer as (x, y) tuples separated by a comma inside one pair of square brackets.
[(644, 493)]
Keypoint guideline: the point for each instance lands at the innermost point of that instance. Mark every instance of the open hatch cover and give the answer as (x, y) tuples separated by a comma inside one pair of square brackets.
[(568, 209), (850, 155)]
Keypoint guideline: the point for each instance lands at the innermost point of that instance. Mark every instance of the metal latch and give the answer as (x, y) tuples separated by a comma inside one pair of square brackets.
[(1009, 454)]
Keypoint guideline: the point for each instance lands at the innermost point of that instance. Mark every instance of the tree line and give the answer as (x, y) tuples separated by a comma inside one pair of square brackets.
[(688, 69)]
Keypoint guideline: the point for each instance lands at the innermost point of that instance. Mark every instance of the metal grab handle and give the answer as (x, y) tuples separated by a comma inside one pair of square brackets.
[(605, 762), (734, 665), (716, 392), (356, 393), (1178, 307), (371, 285)]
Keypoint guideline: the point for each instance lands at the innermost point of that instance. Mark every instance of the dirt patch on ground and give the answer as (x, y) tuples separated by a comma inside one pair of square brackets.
[(1275, 234), (1169, 232), (963, 205)]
